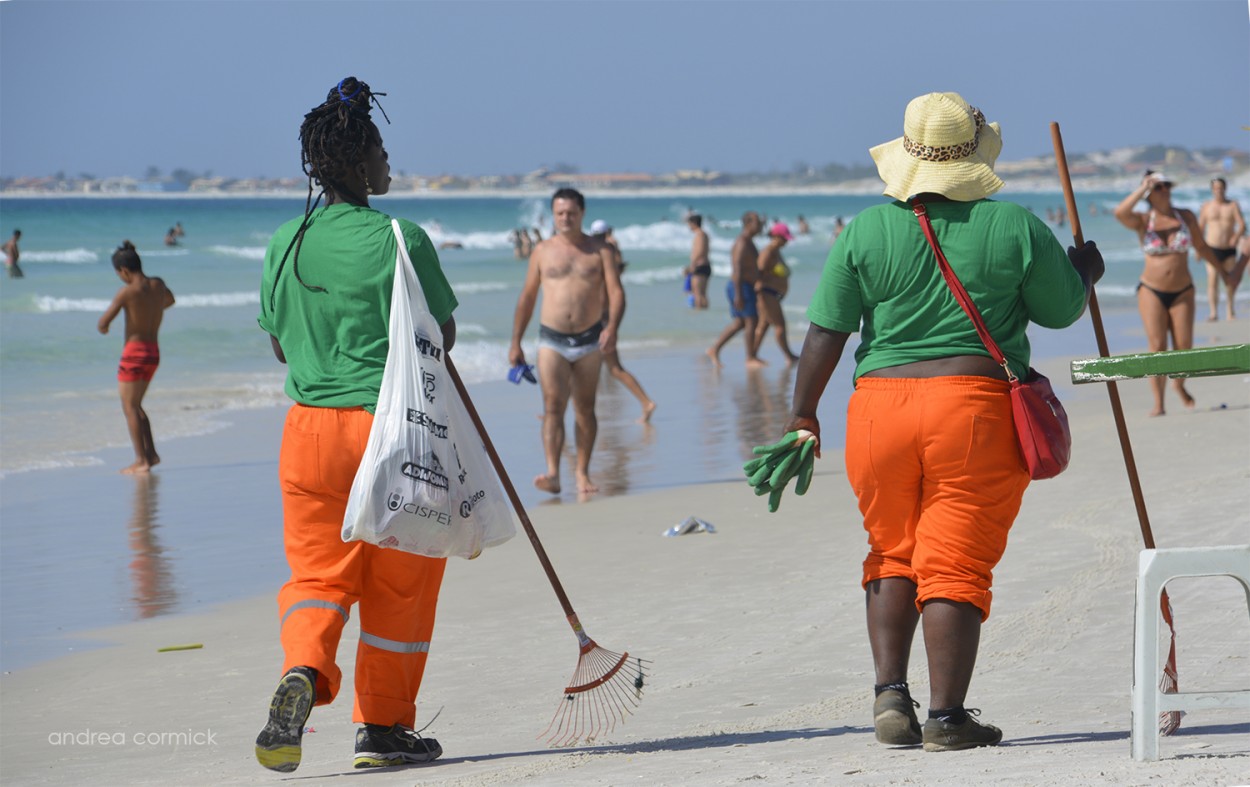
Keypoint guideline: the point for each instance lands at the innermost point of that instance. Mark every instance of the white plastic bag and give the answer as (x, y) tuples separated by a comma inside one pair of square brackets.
[(425, 484)]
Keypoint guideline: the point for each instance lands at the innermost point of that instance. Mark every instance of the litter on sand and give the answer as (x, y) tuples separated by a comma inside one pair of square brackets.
[(692, 524)]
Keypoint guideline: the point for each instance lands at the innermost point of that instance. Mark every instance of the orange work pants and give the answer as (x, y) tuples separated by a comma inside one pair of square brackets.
[(939, 478), (397, 591)]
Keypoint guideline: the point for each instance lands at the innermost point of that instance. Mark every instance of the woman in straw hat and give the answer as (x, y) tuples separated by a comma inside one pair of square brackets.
[(931, 451), (1165, 292)]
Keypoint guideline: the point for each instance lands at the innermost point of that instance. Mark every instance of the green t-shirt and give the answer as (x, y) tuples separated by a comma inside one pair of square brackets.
[(882, 274), (335, 341)]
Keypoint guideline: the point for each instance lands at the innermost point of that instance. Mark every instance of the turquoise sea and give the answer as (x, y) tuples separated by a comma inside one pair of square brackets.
[(57, 374)]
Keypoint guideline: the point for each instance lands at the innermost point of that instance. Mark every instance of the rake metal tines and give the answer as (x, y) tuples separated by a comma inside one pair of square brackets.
[(606, 688)]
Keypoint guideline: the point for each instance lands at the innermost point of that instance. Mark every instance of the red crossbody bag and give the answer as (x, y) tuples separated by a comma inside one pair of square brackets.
[(1041, 424)]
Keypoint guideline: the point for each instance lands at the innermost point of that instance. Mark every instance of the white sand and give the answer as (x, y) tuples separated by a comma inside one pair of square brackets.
[(761, 664)]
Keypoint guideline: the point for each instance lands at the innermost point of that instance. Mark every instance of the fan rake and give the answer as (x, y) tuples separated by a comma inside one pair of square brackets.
[(606, 686)]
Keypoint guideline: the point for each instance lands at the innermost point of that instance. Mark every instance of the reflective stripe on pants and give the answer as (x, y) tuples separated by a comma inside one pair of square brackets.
[(397, 591)]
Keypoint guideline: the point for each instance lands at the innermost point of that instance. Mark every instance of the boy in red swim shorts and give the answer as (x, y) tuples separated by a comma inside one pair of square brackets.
[(144, 299)]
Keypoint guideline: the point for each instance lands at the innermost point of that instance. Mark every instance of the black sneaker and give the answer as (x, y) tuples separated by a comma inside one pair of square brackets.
[(943, 736), (894, 718), (379, 747), (278, 745)]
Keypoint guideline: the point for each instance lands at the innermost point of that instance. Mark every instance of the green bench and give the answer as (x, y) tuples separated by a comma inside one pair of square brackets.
[(1203, 362)]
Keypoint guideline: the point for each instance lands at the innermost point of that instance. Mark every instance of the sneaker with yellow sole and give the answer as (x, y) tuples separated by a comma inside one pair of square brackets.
[(381, 747), (278, 745)]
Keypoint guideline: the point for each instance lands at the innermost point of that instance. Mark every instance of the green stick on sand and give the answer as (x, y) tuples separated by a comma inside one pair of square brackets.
[(192, 646)]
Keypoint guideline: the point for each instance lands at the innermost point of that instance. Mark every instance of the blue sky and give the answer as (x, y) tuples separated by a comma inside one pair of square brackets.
[(111, 87)]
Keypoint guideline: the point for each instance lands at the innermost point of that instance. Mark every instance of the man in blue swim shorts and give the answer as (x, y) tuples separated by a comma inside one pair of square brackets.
[(741, 292)]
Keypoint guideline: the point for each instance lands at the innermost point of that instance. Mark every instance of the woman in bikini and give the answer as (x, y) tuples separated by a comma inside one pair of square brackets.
[(1165, 292), (773, 284)]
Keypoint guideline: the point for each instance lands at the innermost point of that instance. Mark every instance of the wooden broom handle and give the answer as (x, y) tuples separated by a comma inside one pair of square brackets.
[(1117, 410), (511, 490)]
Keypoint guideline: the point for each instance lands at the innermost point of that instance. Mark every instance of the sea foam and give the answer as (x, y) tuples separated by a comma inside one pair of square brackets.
[(72, 256), (48, 304), (245, 252)]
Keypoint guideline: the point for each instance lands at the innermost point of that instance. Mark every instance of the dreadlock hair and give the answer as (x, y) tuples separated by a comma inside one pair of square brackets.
[(127, 258), (334, 138)]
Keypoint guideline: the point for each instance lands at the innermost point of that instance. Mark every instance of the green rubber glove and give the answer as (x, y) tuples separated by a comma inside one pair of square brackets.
[(787, 441), (793, 456), (750, 466), (807, 464), (760, 474), (774, 499), (785, 469)]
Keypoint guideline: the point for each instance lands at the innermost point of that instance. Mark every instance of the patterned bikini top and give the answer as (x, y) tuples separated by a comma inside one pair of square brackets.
[(1152, 243)]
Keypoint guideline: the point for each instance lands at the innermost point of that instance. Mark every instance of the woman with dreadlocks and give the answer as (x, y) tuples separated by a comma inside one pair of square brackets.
[(325, 301)]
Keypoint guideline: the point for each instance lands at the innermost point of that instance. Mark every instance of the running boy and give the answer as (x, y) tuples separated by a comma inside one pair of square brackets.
[(144, 300)]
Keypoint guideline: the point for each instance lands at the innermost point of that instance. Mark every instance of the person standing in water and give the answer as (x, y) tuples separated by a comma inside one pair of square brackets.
[(741, 293), (700, 268), (579, 281), (11, 254), (773, 285), (600, 230), (144, 299)]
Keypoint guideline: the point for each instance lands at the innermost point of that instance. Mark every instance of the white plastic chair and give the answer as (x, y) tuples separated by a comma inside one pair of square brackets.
[(1155, 568)]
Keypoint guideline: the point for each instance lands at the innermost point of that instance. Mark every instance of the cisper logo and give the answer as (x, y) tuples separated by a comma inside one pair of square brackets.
[(394, 501), (428, 386), (428, 348), (466, 507), (421, 418), (430, 471), (91, 737), (425, 512)]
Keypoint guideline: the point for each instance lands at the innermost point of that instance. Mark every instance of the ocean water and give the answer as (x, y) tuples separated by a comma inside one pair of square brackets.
[(58, 374)]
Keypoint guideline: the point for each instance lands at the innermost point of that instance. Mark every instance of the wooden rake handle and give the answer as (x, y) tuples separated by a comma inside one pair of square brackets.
[(510, 489), (1117, 410)]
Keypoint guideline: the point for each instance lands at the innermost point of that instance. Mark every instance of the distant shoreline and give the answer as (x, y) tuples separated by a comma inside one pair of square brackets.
[(858, 188)]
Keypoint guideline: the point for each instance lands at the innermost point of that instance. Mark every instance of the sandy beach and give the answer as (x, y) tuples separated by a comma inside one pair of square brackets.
[(761, 669)]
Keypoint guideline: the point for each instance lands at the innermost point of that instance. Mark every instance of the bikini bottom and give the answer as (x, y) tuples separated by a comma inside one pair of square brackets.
[(1166, 298)]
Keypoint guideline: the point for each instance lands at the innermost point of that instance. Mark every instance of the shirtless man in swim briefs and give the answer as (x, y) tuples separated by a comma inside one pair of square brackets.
[(700, 269), (144, 299), (576, 274), (1222, 227)]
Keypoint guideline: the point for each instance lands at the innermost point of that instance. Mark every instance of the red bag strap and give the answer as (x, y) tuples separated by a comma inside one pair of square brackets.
[(957, 289)]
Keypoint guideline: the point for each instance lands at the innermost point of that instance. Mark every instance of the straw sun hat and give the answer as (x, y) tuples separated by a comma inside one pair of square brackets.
[(947, 148)]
